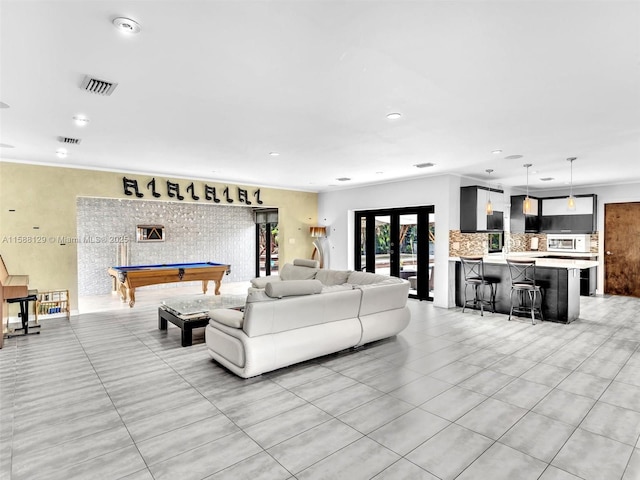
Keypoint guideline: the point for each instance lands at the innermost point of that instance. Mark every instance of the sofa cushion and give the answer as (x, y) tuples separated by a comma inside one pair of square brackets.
[(367, 278), (332, 277), (304, 262), (230, 318), (337, 288), (288, 288)]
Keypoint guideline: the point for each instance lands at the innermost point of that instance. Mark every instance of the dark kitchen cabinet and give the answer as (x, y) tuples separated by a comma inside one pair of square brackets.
[(556, 218), (473, 215), (521, 223), (588, 280)]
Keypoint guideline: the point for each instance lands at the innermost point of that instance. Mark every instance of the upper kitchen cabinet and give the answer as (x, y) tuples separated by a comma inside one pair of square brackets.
[(557, 218), (473, 209), (521, 222)]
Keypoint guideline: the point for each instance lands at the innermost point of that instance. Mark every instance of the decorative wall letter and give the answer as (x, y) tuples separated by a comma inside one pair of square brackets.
[(173, 190), (257, 195), (243, 196), (152, 184), (190, 189), (225, 192), (127, 183), (210, 193)]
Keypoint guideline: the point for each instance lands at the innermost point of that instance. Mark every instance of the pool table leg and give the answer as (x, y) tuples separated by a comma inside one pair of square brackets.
[(217, 290), (205, 286), (131, 293), (122, 290)]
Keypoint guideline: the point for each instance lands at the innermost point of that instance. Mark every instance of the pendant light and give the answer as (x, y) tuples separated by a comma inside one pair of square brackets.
[(489, 208), (571, 201), (526, 205)]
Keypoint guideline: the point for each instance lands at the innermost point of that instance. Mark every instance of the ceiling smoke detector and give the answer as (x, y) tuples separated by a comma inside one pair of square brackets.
[(99, 87)]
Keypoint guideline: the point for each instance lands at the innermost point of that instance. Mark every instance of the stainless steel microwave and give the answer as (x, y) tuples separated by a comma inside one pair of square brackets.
[(568, 243)]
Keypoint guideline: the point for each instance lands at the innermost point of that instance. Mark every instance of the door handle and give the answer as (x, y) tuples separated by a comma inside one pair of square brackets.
[(608, 252)]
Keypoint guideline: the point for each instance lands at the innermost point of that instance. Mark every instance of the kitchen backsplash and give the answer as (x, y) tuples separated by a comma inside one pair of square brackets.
[(477, 243)]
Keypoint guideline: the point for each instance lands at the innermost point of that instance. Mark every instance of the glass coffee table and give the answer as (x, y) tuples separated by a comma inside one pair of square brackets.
[(192, 311)]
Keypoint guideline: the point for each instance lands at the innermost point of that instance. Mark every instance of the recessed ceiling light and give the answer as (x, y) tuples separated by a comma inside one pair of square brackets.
[(514, 157), (547, 179), (424, 165), (274, 154), (343, 179), (496, 151), (80, 120), (61, 152), (394, 115), (3, 105), (6, 145), (126, 25)]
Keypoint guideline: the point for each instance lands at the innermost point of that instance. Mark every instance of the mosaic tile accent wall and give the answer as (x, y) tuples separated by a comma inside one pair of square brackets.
[(193, 233), (467, 243), (477, 243)]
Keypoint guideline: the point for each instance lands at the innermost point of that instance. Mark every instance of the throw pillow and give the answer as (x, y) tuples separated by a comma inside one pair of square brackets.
[(289, 288), (297, 272), (304, 262)]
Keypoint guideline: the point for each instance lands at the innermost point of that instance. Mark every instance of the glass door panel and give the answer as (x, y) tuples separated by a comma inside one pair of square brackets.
[(363, 245), (383, 245), (409, 250), (267, 249), (432, 252)]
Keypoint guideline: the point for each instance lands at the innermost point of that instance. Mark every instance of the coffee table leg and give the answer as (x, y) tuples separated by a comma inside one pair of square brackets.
[(162, 322), (186, 336)]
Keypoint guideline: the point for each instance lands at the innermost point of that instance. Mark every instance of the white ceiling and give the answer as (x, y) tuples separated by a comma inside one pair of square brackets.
[(209, 88)]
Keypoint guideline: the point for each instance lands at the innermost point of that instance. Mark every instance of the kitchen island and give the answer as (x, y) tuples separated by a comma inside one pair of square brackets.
[(559, 280)]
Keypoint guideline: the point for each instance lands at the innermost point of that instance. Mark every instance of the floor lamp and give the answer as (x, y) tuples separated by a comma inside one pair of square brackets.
[(318, 233)]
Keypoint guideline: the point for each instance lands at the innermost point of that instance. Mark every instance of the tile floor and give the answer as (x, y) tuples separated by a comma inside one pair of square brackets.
[(108, 395)]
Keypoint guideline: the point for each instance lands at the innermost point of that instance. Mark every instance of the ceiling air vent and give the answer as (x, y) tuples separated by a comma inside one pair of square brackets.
[(99, 87), (69, 140), (425, 165), (547, 179)]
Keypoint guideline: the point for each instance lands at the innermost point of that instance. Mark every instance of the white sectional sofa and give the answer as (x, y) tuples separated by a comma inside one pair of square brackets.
[(286, 321)]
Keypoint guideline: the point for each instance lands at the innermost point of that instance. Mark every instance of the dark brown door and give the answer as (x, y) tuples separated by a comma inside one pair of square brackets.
[(622, 249)]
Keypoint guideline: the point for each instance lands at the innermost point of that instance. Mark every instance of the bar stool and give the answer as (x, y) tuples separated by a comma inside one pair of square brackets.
[(473, 268), (523, 281)]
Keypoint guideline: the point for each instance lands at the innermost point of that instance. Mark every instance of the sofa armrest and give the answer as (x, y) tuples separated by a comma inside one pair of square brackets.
[(226, 316)]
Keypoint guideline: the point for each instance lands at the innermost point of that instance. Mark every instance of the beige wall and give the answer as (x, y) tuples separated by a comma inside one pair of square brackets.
[(45, 197)]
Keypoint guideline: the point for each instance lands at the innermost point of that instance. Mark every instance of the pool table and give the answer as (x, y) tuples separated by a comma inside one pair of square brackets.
[(126, 279)]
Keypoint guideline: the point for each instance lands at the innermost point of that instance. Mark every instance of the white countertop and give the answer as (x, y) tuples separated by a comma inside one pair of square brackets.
[(541, 261), (550, 254)]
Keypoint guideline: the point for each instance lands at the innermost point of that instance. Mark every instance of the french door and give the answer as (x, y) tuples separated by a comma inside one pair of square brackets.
[(398, 242)]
